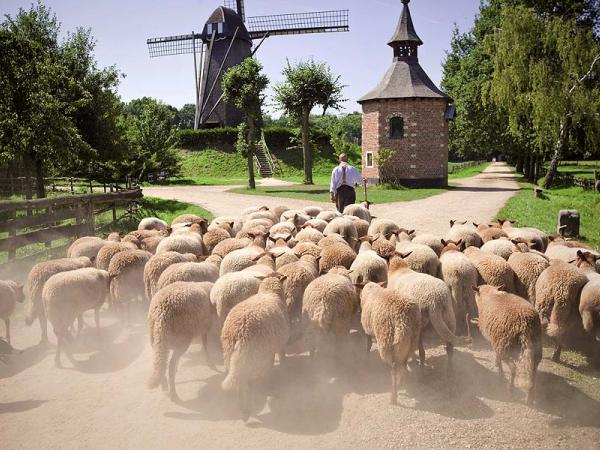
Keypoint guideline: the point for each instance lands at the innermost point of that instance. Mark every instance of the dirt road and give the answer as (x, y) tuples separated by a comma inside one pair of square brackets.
[(101, 400), (476, 198)]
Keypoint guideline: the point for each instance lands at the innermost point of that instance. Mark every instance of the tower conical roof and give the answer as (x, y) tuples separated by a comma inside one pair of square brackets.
[(405, 31)]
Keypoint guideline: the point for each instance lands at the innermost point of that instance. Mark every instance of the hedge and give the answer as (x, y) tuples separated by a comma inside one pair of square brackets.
[(278, 138)]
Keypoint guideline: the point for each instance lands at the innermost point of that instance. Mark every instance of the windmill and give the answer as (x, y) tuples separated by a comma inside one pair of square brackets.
[(227, 39)]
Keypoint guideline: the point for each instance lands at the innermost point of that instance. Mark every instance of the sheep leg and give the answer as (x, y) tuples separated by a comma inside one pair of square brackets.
[(449, 352), (43, 326), (97, 318), (513, 372), (394, 396), (79, 324), (369, 343), (557, 352), (499, 365), (421, 350), (209, 361), (244, 395), (172, 371), (7, 325), (59, 344)]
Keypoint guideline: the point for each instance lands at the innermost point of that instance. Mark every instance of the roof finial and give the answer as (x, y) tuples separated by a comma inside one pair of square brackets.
[(406, 2)]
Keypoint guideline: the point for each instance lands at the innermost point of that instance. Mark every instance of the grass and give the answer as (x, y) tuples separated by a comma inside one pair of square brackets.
[(542, 213), (320, 193), (468, 172), (580, 169)]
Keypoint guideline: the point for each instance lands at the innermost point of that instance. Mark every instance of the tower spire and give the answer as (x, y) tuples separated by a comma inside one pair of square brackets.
[(405, 40)]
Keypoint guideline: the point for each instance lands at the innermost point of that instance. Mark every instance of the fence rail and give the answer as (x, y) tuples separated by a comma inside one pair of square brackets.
[(45, 220), (567, 179)]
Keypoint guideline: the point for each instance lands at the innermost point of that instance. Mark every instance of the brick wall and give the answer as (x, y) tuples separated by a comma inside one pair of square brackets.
[(421, 157)]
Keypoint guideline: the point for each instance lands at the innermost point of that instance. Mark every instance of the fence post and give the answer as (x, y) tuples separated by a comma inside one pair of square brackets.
[(90, 218), (72, 190), (12, 251), (91, 187)]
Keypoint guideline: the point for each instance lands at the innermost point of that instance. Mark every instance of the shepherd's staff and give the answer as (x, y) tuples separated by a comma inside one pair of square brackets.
[(365, 188)]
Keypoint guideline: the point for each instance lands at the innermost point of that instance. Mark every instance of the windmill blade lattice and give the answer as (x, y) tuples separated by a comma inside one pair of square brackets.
[(174, 45), (298, 23)]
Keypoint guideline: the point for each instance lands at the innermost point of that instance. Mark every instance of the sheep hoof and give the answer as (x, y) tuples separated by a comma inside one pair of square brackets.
[(393, 400), (174, 397)]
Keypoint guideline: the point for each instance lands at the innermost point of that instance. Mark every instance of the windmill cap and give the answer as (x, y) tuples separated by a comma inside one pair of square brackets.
[(231, 20)]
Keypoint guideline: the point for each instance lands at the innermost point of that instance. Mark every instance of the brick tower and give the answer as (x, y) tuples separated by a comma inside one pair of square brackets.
[(408, 114)]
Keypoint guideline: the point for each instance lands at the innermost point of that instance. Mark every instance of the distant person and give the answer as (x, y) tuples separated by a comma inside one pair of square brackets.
[(343, 179)]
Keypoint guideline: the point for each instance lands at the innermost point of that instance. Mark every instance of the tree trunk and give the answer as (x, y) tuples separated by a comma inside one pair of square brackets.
[(532, 174), (306, 150), (519, 165), (526, 166), (40, 189), (251, 139), (558, 150)]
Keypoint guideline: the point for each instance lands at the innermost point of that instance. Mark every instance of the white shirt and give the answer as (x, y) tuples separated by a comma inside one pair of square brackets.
[(350, 178)]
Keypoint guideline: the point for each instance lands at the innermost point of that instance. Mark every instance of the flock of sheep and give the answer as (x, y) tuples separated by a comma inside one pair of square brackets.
[(276, 281)]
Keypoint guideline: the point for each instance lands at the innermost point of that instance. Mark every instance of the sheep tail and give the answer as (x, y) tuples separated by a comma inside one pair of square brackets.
[(160, 353), (444, 332), (558, 320), (34, 292), (31, 313), (232, 380)]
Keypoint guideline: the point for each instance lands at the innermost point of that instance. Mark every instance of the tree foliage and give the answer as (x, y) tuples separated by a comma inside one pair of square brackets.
[(308, 84), (244, 86)]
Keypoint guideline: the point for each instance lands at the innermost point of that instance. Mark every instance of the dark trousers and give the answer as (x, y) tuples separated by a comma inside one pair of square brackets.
[(344, 196)]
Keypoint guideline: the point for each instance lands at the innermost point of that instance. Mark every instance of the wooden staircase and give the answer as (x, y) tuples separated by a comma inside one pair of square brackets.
[(263, 160)]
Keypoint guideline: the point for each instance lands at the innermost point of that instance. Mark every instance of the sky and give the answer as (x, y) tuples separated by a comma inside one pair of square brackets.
[(360, 56)]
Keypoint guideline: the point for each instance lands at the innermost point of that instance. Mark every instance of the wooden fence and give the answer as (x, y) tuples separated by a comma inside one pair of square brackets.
[(457, 167), (25, 186), (42, 221), (567, 179)]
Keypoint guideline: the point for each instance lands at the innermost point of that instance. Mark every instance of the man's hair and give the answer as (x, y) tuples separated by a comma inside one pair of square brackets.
[(343, 157)]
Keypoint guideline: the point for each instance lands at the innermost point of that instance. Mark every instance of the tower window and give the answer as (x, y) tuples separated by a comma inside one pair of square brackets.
[(396, 128), (369, 162)]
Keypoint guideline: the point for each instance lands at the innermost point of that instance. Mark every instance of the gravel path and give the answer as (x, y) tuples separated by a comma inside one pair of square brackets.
[(476, 198)]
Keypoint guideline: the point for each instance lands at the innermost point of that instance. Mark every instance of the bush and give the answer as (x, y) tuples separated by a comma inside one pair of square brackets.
[(220, 138)]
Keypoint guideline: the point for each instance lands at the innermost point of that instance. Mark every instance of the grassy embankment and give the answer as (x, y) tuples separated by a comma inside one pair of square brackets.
[(543, 212)]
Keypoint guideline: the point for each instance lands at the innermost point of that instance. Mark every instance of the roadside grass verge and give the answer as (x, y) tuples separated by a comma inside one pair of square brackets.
[(542, 213), (468, 172), (320, 193)]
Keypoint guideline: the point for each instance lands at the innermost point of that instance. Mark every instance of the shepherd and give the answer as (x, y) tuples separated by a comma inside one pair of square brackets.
[(343, 179)]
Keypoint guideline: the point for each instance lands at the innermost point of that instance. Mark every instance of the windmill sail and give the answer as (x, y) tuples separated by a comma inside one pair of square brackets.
[(237, 6), (174, 45), (298, 23)]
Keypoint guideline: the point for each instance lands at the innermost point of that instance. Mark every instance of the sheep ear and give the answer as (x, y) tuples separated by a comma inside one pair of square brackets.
[(359, 280), (476, 224), (231, 224), (475, 288), (287, 238), (444, 243), (376, 236), (201, 257), (260, 277), (271, 238), (410, 232), (459, 243), (572, 261), (263, 208), (318, 257), (531, 244), (306, 225), (373, 217), (257, 257), (251, 235), (551, 238), (452, 221), (93, 259), (580, 254), (382, 283)]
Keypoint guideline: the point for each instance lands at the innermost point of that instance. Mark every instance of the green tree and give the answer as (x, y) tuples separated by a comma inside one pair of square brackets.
[(150, 135), (545, 76), (308, 84), (185, 116), (243, 86)]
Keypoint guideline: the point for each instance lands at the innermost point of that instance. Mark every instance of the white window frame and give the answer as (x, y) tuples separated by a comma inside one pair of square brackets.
[(220, 27), (367, 159)]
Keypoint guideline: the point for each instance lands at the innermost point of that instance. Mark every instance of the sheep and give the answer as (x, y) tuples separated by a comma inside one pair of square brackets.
[(279, 210), (359, 210), (368, 265), (328, 215), (385, 227), (312, 211), (331, 239), (229, 245), (263, 214), (11, 292), (344, 227), (231, 289), (502, 247), (216, 235), (589, 307), (309, 234), (527, 268), (329, 304), (567, 242), (362, 226), (157, 264), (513, 328), (254, 331), (265, 264), (286, 239), (152, 223), (298, 275), (38, 275), (422, 258), (434, 299), (86, 246), (460, 274), (557, 293), (588, 263), (297, 218), (236, 223), (394, 320), (67, 295), (182, 243), (190, 272), (492, 269), (150, 244), (459, 231), (337, 254), (115, 236), (528, 234), (188, 218), (491, 233), (307, 248), (432, 241), (126, 271), (239, 259), (107, 252), (318, 224), (178, 314), (384, 247)]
